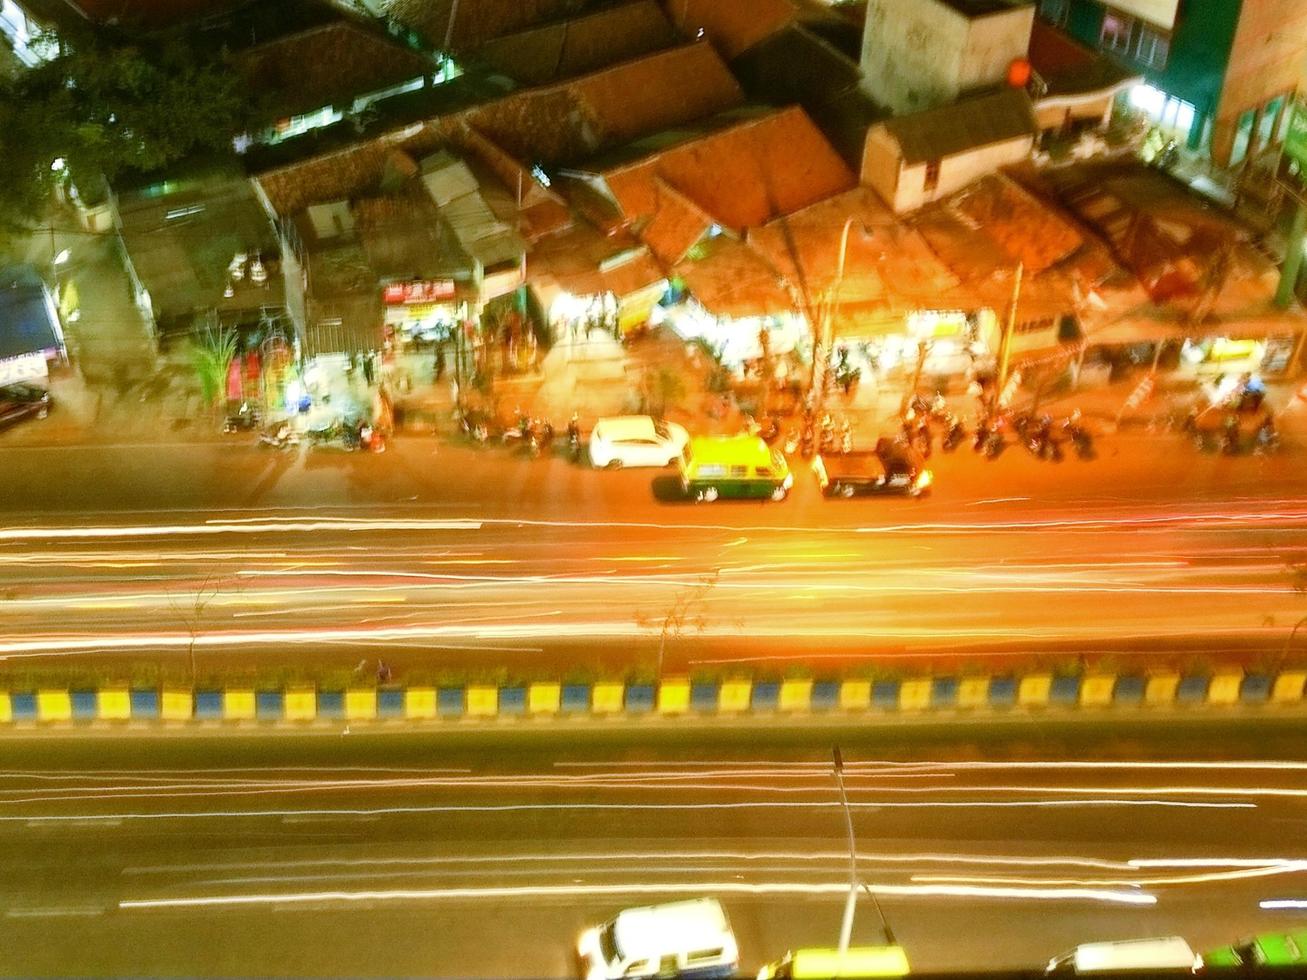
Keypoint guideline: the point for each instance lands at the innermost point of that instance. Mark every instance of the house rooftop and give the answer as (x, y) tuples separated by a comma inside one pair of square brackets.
[(962, 126), (566, 48)]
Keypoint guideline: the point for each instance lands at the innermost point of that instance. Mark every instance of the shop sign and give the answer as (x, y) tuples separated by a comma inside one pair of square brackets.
[(25, 367), (420, 291)]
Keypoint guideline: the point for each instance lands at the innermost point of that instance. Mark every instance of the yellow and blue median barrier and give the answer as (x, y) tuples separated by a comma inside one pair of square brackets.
[(969, 695)]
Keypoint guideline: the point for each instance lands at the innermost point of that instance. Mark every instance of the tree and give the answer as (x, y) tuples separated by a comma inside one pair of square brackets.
[(190, 609), (1298, 577), (106, 104), (685, 614)]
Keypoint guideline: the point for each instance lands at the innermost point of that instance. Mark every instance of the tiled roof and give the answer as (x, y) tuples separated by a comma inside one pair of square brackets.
[(405, 237), (477, 21), (565, 123), (732, 26), (151, 13), (892, 269), (962, 126), (327, 65), (585, 262), (794, 65), (675, 225), (983, 232), (742, 177), (731, 279), (1169, 237), (565, 49)]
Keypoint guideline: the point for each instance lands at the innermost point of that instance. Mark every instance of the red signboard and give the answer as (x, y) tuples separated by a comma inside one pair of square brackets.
[(421, 291)]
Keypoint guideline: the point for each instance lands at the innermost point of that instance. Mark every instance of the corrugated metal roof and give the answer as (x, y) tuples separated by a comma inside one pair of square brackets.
[(962, 126), (456, 192)]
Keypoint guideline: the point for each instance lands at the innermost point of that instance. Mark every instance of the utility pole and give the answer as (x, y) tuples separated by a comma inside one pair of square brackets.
[(1009, 328), (826, 340)]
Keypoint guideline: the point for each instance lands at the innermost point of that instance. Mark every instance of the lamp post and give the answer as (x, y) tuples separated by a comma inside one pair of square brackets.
[(850, 903)]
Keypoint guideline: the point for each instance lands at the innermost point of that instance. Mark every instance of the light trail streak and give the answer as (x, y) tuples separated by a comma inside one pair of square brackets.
[(373, 525), (475, 808), (641, 888), (1273, 904), (1269, 871), (619, 857)]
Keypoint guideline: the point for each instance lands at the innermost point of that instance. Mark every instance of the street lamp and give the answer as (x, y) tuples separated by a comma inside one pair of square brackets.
[(850, 903)]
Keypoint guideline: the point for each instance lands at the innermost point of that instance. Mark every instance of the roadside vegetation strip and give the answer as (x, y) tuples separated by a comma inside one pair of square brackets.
[(672, 697)]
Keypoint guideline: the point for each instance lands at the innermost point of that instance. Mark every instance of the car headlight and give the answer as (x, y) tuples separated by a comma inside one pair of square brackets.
[(788, 481)]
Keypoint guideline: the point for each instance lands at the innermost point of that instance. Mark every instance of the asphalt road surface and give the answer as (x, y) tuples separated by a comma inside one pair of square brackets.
[(484, 853), (440, 559)]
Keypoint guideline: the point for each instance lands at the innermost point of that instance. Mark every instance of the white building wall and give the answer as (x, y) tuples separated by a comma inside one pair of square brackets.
[(911, 53), (993, 43), (956, 172)]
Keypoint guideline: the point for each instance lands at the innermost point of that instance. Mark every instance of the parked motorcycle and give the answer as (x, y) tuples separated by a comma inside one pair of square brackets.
[(478, 426), (535, 436), (280, 436), (246, 419), (574, 438), (954, 433), (1267, 438), (1079, 436)]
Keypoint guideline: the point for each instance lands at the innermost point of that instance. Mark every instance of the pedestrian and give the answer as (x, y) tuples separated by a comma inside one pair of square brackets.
[(383, 672), (369, 368), (440, 362)]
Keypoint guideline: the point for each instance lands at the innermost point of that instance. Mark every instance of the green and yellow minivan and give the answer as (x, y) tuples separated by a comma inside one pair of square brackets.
[(856, 961), (742, 467)]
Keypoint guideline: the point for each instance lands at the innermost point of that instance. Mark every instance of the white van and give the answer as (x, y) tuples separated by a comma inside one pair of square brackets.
[(1167, 955), (679, 939)]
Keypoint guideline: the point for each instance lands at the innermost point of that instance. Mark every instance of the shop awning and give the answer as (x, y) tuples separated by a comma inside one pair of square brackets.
[(1148, 330)]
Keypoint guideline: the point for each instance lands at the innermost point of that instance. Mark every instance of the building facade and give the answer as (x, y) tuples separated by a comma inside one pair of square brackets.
[(1219, 73), (923, 55)]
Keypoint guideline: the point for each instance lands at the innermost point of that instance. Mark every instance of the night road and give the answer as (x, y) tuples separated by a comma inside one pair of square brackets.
[(482, 853), (439, 558)]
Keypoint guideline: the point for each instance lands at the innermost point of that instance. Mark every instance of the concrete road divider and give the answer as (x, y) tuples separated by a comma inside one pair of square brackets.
[(972, 695)]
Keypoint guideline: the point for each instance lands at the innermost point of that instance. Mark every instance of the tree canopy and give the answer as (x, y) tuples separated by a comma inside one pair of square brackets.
[(107, 104)]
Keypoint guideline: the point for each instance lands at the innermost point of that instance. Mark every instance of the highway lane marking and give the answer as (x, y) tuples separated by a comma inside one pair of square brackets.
[(54, 912), (1122, 897), (72, 821)]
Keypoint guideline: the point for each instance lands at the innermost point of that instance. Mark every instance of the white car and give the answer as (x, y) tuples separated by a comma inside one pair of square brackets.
[(636, 440), (679, 939)]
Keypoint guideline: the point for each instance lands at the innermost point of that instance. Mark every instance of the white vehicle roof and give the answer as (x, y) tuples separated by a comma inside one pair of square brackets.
[(1169, 953), (657, 930), (619, 427)]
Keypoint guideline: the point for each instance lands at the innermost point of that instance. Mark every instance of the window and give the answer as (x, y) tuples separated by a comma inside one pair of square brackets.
[(1115, 35), (932, 176), (703, 956), (1152, 47), (1056, 12)]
